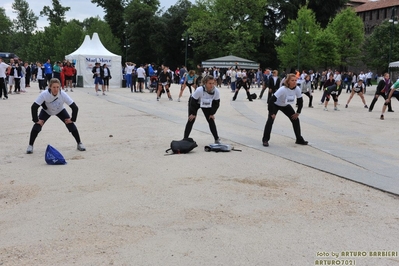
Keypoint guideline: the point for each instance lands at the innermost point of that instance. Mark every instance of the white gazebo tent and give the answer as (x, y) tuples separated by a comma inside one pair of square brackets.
[(90, 52), (230, 61), (394, 64)]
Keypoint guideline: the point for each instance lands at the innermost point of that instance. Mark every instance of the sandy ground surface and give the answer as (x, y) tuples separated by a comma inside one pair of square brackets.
[(122, 202)]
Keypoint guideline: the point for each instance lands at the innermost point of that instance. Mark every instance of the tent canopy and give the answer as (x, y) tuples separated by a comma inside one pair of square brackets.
[(230, 61), (90, 52), (394, 64)]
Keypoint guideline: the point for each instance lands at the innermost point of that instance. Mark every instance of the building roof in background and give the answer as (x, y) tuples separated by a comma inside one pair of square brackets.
[(373, 5)]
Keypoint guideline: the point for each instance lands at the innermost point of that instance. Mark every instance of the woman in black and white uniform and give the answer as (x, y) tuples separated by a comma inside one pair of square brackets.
[(282, 100), (52, 101), (359, 89), (206, 97)]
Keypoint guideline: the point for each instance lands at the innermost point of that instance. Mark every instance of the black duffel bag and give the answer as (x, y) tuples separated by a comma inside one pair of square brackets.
[(182, 146)]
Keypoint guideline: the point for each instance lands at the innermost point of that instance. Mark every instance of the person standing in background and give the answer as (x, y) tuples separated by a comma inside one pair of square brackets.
[(48, 71), (10, 73), (98, 75), (68, 70), (129, 66), (28, 74), (233, 79), (107, 77), (57, 70), (3, 87), (265, 85), (40, 76), (141, 76)]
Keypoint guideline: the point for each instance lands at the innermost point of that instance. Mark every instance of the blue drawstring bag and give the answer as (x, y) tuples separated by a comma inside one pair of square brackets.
[(53, 156)]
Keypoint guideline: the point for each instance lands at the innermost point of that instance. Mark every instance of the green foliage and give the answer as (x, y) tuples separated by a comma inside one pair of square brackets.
[(26, 20), (56, 15), (23, 26), (37, 47), (326, 10), (70, 38), (114, 16), (141, 29), (377, 46), (223, 27), (5, 31), (172, 49), (326, 49), (298, 42), (349, 29)]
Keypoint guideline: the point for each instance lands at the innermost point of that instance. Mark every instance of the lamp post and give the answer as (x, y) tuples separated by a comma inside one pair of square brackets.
[(126, 46), (300, 29), (188, 41), (393, 20)]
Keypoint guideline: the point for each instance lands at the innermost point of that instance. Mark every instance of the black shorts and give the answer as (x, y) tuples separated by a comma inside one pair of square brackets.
[(68, 77), (43, 115), (140, 79)]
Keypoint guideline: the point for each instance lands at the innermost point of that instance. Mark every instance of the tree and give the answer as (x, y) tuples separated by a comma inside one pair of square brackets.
[(26, 20), (56, 15), (326, 49), (223, 27), (23, 25), (70, 38), (143, 25), (114, 16), (5, 31), (173, 48), (348, 27), (326, 10), (298, 41), (378, 46), (37, 45)]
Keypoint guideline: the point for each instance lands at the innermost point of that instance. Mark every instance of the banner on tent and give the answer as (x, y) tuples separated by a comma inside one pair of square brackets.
[(91, 61)]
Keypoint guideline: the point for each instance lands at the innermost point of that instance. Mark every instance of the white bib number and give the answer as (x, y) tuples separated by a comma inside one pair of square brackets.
[(206, 103), (290, 99)]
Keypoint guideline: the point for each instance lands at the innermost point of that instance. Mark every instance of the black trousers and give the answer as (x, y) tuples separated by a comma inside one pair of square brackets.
[(42, 84), (3, 87), (376, 96), (247, 91), (17, 82), (211, 122), (288, 111), (310, 97), (45, 116)]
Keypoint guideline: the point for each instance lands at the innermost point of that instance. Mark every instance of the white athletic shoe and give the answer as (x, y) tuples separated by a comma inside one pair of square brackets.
[(81, 147), (325, 109), (29, 150)]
